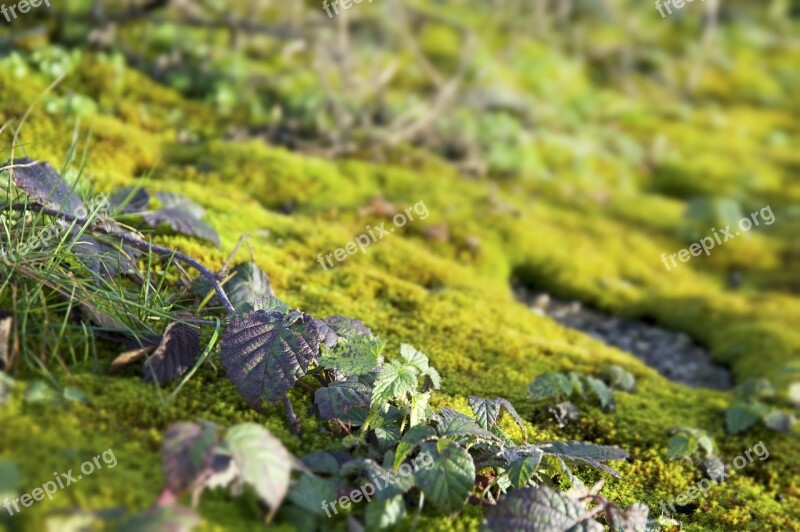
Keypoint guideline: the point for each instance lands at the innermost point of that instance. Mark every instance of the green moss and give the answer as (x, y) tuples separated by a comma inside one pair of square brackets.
[(449, 300)]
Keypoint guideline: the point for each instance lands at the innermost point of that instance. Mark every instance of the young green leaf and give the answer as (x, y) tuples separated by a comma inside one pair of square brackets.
[(176, 353), (742, 416), (395, 381), (410, 440), (522, 469), (265, 352), (432, 379), (419, 408), (681, 446), (262, 460), (449, 481), (355, 355), (602, 392), (550, 385), (540, 508)]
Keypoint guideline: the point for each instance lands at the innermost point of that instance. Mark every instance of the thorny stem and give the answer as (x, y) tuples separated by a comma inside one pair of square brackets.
[(290, 415), (138, 244)]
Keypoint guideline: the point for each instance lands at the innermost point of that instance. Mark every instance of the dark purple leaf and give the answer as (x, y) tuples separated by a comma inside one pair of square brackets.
[(176, 201), (334, 327), (44, 185), (129, 199), (265, 352), (540, 509), (183, 222), (187, 454), (346, 401), (175, 354)]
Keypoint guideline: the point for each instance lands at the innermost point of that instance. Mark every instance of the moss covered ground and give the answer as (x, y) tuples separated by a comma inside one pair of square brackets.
[(604, 200)]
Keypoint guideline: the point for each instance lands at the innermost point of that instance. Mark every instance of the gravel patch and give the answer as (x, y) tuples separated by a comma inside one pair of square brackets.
[(672, 353)]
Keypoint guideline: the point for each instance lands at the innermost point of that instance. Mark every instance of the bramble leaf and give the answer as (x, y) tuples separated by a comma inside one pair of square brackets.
[(585, 452), (741, 417), (449, 481), (522, 469), (395, 381), (183, 222), (311, 491), (384, 514), (540, 508), (44, 185), (550, 385), (355, 355), (129, 200), (249, 289), (486, 411), (187, 453), (176, 353), (262, 460), (344, 400), (452, 423), (680, 446), (602, 392), (265, 352), (419, 408)]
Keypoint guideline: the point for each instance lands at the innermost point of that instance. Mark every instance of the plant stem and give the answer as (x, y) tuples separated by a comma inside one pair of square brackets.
[(290, 415), (138, 244)]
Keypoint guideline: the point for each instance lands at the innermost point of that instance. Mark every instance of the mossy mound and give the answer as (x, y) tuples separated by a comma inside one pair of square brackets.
[(448, 295)]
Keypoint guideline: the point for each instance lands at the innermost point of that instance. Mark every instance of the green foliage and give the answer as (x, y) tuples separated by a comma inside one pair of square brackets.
[(560, 386), (756, 398)]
